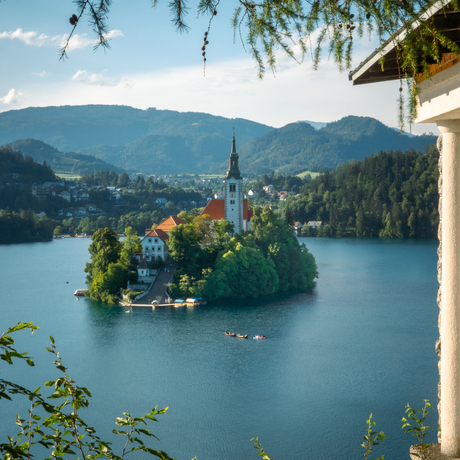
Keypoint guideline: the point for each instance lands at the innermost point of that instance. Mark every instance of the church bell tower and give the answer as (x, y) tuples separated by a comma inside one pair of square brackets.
[(234, 191)]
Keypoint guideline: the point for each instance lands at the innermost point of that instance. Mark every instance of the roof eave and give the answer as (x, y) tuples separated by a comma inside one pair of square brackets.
[(391, 42)]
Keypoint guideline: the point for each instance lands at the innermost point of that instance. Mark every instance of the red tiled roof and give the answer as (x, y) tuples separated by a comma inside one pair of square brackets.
[(159, 233), (216, 209), (169, 223), (245, 209)]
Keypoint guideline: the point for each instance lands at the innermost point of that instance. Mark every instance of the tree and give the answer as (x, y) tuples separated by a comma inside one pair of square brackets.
[(131, 243), (223, 230), (242, 271), (104, 249), (104, 271), (184, 248)]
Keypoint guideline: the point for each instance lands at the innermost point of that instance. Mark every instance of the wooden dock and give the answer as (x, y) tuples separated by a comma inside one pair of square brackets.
[(161, 305)]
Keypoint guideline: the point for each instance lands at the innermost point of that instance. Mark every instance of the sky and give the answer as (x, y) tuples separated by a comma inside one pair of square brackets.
[(151, 65)]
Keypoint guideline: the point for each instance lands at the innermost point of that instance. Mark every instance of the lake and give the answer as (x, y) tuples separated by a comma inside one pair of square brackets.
[(362, 341)]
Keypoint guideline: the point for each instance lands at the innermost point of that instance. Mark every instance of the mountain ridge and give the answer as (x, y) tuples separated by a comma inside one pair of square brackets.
[(168, 142)]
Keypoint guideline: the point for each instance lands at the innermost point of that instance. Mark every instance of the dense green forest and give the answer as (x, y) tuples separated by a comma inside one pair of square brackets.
[(24, 227), (214, 265), (387, 195), (16, 167)]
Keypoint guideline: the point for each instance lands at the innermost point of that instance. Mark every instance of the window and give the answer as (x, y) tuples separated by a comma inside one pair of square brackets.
[(156, 240), (150, 240), (159, 248), (233, 187)]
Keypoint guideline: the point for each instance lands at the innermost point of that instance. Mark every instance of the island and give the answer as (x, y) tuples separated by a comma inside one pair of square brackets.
[(226, 251)]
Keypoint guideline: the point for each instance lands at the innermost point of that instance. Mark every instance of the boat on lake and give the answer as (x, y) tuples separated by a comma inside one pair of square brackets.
[(180, 303), (199, 300), (230, 334), (260, 337), (241, 336), (192, 302)]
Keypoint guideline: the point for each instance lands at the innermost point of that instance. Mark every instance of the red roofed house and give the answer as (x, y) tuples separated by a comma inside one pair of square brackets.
[(170, 222), (154, 241), (233, 207), (154, 244)]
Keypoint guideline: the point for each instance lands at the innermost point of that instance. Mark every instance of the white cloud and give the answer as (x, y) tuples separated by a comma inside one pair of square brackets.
[(98, 79), (41, 74), (114, 34), (33, 38), (12, 97)]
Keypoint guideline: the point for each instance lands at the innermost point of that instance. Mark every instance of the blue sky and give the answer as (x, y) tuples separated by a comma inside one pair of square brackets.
[(151, 65)]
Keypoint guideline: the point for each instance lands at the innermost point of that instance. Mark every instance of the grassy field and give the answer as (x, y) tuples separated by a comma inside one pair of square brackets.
[(68, 176), (202, 176), (312, 174)]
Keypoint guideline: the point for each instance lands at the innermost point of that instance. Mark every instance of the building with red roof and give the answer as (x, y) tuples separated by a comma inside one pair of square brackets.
[(154, 244)]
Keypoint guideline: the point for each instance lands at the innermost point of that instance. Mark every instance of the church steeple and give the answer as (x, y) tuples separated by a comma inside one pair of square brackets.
[(233, 169)]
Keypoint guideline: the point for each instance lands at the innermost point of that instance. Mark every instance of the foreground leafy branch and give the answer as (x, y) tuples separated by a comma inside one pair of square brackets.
[(415, 425), (54, 421)]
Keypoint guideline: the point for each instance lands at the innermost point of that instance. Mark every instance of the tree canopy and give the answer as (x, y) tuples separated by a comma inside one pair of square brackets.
[(265, 260), (110, 267)]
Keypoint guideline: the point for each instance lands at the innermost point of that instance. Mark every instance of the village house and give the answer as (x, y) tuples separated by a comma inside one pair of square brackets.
[(315, 223), (65, 195), (90, 207), (297, 228), (154, 244), (43, 191), (161, 201), (282, 195)]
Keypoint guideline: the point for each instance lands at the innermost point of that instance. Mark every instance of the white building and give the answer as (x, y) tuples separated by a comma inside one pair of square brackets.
[(154, 244)]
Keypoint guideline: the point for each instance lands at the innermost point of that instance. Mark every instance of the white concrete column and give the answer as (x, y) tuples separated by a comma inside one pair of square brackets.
[(450, 313)]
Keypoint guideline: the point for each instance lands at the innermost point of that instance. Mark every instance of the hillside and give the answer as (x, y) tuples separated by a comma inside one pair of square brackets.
[(74, 163), (388, 195), (299, 146), (147, 140), (15, 167)]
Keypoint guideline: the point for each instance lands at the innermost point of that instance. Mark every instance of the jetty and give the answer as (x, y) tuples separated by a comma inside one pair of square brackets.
[(149, 305)]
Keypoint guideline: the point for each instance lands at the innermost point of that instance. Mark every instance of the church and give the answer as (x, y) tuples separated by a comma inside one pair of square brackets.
[(233, 207)]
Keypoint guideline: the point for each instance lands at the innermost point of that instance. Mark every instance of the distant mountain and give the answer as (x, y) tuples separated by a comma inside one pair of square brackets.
[(70, 163), (299, 146), (146, 140), (165, 141), (315, 124)]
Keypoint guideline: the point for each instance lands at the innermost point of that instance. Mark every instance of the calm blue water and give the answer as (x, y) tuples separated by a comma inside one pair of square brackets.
[(361, 342)]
